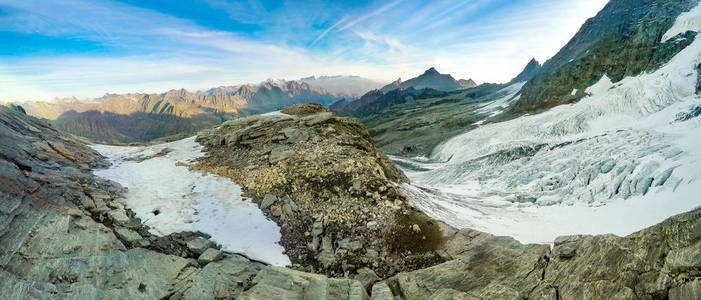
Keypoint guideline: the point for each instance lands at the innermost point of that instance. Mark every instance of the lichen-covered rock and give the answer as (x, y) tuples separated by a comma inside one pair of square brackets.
[(283, 283), (304, 109), (322, 180), (660, 262)]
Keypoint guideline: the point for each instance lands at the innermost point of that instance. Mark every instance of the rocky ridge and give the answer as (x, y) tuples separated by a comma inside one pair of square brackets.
[(333, 194), (65, 234)]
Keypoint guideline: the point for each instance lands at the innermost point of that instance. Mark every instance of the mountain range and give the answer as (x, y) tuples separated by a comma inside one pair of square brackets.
[(412, 121), (431, 79), (350, 87), (136, 117)]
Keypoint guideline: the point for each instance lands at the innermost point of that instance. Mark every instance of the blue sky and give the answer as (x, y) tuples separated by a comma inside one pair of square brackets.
[(84, 48)]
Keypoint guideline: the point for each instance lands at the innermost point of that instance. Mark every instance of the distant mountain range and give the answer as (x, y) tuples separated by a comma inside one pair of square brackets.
[(346, 86), (412, 117), (114, 118), (431, 79)]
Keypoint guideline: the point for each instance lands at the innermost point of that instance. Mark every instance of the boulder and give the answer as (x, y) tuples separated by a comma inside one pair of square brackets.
[(210, 255)]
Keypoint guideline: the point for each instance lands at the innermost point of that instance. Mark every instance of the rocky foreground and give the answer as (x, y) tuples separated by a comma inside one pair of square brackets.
[(66, 235)]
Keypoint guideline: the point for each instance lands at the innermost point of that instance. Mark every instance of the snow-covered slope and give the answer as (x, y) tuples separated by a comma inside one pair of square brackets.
[(507, 96), (170, 198), (615, 162)]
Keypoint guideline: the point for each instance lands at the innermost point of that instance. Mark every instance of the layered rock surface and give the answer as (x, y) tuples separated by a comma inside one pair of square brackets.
[(64, 234)]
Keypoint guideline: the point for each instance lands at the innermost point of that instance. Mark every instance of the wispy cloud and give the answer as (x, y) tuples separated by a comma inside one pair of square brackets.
[(323, 34), (376, 12), (147, 49)]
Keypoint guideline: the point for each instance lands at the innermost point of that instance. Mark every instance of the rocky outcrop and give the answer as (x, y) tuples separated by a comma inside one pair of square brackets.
[(624, 39), (333, 194), (661, 262), (531, 70), (65, 234)]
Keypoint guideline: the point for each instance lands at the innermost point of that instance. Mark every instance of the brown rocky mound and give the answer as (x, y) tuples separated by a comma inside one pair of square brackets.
[(321, 179), (304, 109)]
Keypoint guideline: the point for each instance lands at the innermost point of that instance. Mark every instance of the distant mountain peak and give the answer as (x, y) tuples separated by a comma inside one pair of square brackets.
[(533, 64), (532, 68), (430, 79), (347, 86), (431, 71), (466, 84)]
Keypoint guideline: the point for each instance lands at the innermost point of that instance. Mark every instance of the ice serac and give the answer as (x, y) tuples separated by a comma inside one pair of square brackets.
[(621, 150), (624, 39)]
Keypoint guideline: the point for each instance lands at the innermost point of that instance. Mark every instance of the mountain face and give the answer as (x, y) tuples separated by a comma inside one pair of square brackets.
[(624, 39), (467, 84), (430, 79), (376, 100), (117, 118), (346, 86), (411, 121), (531, 70)]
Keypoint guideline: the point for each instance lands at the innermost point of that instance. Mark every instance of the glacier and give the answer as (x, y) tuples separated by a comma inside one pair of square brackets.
[(617, 161), (170, 198)]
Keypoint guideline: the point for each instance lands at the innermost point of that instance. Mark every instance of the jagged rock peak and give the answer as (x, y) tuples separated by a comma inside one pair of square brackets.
[(532, 69), (533, 64), (431, 71)]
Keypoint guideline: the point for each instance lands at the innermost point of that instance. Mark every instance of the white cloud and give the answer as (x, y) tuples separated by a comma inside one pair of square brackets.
[(394, 40)]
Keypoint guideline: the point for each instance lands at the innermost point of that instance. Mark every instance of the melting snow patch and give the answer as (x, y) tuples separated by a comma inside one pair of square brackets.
[(170, 198), (276, 113)]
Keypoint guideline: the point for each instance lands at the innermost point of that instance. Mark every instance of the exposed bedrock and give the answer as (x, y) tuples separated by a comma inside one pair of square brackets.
[(65, 234)]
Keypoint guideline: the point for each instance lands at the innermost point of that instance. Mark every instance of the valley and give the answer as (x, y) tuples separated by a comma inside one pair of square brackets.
[(576, 179)]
